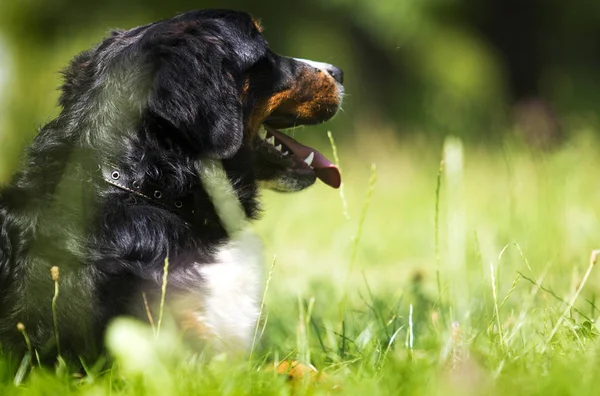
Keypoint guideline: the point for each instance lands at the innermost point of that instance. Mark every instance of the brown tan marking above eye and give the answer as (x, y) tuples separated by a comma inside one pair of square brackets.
[(257, 25), (245, 89)]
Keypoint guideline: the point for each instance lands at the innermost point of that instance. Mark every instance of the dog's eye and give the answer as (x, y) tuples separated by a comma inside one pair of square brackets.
[(262, 64)]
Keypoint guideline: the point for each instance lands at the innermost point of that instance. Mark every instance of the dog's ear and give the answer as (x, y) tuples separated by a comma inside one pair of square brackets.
[(198, 81)]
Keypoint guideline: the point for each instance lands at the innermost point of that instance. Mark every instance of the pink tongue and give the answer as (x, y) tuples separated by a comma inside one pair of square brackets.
[(324, 169)]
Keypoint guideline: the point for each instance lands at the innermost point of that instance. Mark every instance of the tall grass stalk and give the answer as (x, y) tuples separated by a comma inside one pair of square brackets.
[(356, 239), (409, 334), (26, 361), (149, 313), (496, 307), (436, 226), (337, 163), (163, 294), (55, 274), (303, 330), (257, 336), (21, 329), (455, 229)]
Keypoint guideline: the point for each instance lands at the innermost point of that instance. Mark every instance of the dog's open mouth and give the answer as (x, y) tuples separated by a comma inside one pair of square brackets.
[(285, 151)]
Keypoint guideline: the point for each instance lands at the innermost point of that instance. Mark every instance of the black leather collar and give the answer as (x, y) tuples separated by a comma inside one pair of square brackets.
[(183, 205)]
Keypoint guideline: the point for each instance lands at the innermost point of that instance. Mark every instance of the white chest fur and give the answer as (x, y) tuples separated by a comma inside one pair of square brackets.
[(232, 292)]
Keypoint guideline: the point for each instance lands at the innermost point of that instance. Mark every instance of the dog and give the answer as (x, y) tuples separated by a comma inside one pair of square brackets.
[(152, 171)]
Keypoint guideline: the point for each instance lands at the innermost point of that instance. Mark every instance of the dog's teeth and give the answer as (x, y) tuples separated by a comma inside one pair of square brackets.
[(310, 158), (286, 153), (271, 141), (278, 147), (262, 133)]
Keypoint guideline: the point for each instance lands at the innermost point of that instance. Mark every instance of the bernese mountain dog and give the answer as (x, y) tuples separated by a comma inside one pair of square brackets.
[(165, 134)]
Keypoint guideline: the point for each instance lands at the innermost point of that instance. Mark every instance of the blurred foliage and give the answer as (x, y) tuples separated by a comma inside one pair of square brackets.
[(412, 66)]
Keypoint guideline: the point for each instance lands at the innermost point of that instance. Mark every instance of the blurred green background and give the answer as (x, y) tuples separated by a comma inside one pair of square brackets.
[(470, 68)]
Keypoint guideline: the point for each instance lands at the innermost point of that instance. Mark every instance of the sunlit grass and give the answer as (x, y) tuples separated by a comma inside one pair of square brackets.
[(508, 234)]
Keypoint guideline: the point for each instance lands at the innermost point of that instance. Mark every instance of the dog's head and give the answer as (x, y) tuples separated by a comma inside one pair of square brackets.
[(282, 93), (207, 81)]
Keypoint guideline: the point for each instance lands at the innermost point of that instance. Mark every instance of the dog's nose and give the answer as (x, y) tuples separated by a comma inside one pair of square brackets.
[(336, 73)]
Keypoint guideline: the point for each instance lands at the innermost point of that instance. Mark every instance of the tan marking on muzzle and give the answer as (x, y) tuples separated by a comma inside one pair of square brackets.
[(314, 95)]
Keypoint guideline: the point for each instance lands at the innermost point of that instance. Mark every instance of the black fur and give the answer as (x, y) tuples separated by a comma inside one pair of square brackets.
[(154, 101)]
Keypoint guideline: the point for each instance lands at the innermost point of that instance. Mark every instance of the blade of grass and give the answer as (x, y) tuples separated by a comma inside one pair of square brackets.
[(512, 288), (23, 369), (256, 336), (149, 313), (337, 163), (496, 308), (436, 226), (409, 333), (390, 343), (163, 294), (356, 239), (593, 259), (55, 273), (525, 309), (553, 294), (371, 305), (481, 265), (303, 330)]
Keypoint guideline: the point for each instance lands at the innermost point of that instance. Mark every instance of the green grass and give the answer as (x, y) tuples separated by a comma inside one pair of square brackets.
[(472, 279)]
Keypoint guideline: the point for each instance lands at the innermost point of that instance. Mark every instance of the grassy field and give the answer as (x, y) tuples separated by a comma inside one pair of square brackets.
[(385, 294)]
